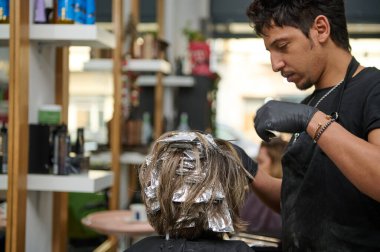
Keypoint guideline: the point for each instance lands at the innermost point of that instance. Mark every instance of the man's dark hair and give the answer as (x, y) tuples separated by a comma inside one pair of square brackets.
[(301, 15)]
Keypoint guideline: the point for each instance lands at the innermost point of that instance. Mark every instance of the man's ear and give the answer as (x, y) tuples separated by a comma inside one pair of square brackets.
[(322, 28)]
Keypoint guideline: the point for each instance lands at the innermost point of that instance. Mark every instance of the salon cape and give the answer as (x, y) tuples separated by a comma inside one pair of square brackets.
[(159, 244)]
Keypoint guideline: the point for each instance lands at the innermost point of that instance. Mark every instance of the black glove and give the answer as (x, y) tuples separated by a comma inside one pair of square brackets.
[(248, 163), (283, 117)]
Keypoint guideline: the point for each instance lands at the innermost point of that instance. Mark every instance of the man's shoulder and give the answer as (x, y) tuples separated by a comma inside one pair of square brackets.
[(369, 72), (366, 79)]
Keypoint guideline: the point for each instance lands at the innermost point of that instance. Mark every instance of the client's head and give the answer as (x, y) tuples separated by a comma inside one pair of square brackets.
[(192, 185)]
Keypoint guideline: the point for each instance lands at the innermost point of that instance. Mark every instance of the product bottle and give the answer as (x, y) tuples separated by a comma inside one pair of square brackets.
[(64, 11), (79, 145), (61, 151), (183, 122), (39, 12), (4, 11), (4, 149), (90, 12), (79, 15), (146, 132)]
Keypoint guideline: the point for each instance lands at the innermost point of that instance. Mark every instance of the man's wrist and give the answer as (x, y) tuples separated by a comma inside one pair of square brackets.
[(319, 119)]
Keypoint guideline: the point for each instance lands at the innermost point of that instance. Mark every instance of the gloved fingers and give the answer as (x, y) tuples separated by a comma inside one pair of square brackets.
[(262, 123), (269, 135), (265, 133)]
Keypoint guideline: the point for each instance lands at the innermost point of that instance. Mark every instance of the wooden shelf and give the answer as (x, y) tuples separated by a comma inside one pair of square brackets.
[(94, 181), (147, 65), (72, 34), (167, 81)]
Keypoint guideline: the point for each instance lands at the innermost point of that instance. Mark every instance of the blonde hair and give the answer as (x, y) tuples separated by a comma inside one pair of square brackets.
[(215, 186)]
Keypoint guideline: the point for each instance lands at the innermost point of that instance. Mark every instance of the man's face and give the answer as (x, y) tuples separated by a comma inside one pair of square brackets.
[(297, 57)]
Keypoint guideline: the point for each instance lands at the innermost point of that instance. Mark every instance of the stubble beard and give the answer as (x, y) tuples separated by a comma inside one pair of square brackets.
[(304, 86)]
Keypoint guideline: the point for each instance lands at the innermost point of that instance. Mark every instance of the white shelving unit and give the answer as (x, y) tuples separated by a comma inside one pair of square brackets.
[(94, 181), (133, 65), (126, 158), (147, 65), (45, 38), (167, 81), (105, 65), (72, 34), (98, 65)]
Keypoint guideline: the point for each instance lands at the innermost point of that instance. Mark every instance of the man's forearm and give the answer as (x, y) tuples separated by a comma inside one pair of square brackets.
[(268, 189), (356, 158)]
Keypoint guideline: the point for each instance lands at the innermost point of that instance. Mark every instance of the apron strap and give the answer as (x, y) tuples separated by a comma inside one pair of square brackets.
[(351, 69)]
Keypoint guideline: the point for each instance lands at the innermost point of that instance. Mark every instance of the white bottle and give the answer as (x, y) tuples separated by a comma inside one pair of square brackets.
[(146, 132), (183, 122)]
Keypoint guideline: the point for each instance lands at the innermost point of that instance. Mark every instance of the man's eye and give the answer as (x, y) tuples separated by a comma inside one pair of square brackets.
[(282, 46)]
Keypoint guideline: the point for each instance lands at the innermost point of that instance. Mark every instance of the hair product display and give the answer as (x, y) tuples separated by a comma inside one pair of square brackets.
[(4, 11)]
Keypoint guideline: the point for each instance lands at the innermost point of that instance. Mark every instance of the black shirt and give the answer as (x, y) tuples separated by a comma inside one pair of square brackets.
[(321, 209), (159, 244)]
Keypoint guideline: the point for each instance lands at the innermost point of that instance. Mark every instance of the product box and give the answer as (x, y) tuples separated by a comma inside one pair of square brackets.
[(49, 114), (200, 58)]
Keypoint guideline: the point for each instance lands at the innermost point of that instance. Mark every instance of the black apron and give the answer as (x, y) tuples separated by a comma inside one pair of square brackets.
[(308, 176)]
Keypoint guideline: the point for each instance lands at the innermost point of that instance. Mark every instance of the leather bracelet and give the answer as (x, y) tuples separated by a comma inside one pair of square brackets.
[(317, 130), (324, 127), (327, 117)]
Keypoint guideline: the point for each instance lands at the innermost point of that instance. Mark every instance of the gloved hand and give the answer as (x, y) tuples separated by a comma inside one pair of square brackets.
[(283, 117), (248, 163)]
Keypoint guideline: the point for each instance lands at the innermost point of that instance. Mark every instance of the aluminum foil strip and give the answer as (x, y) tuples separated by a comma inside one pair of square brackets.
[(204, 197), (183, 171), (219, 192), (153, 206), (148, 160), (221, 223), (189, 155), (195, 178), (150, 192), (180, 146), (210, 139), (181, 194), (188, 165), (180, 137)]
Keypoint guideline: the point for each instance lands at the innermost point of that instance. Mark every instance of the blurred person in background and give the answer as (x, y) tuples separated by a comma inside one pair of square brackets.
[(260, 218)]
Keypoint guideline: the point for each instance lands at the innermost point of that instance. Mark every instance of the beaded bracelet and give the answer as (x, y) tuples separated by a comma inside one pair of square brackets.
[(324, 127)]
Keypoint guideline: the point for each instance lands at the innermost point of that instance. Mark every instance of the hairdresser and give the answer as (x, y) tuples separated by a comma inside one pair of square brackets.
[(329, 197)]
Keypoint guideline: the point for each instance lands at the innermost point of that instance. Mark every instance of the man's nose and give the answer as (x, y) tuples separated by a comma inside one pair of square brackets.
[(277, 62)]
